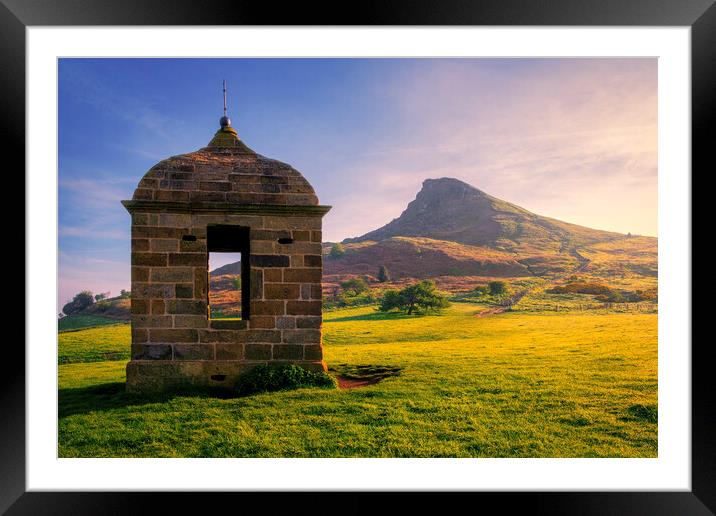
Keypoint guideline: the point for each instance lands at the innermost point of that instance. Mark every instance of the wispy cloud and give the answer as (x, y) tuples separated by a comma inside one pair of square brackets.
[(577, 141), (94, 192), (87, 86), (93, 232)]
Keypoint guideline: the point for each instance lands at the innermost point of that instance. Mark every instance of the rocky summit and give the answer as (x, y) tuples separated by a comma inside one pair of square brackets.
[(452, 210)]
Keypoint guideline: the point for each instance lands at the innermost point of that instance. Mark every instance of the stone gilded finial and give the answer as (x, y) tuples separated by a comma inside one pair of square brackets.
[(227, 136)]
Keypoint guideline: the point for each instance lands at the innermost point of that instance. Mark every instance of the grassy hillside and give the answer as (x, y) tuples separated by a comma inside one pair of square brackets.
[(77, 322), (510, 385), (417, 257), (626, 262), (224, 296), (106, 311)]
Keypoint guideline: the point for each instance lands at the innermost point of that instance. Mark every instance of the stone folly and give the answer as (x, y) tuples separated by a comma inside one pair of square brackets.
[(223, 197)]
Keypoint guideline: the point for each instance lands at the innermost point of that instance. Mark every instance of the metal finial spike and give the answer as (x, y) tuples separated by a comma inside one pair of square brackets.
[(224, 97), (225, 121)]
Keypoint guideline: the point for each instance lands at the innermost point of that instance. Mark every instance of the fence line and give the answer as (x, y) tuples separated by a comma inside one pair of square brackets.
[(622, 307)]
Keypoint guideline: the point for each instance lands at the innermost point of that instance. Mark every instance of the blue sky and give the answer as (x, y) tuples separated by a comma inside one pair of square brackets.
[(573, 139)]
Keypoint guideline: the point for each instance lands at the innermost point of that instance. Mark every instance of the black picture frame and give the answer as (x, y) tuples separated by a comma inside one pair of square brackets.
[(16, 15)]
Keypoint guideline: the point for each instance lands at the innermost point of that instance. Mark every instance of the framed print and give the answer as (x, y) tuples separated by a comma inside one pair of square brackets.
[(417, 248)]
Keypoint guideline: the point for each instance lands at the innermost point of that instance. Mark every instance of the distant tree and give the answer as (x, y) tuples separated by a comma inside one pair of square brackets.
[(81, 301), (99, 297), (392, 299), (354, 286), (124, 294), (236, 281), (383, 274), (337, 251), (423, 296), (497, 287)]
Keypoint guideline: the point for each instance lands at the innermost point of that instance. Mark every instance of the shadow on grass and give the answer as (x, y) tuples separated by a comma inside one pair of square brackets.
[(365, 372), (108, 396)]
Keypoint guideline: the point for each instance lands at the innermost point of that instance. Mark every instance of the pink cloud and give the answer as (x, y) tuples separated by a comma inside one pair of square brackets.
[(577, 141)]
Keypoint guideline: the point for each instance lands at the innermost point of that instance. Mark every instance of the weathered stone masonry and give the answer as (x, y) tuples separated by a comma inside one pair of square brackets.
[(224, 188)]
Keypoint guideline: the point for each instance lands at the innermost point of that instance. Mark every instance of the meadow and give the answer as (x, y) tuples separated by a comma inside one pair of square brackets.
[(514, 384), (79, 322)]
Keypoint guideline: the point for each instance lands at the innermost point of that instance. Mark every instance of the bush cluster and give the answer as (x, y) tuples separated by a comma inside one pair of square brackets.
[(420, 297), (354, 286), (264, 378), (81, 301), (604, 293)]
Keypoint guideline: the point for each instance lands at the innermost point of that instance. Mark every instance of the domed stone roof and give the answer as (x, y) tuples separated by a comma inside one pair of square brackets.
[(225, 171)]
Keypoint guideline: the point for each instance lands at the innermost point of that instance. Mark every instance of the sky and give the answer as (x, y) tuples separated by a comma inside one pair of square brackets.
[(573, 139)]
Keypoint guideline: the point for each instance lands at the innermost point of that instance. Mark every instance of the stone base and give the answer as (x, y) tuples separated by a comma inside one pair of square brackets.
[(147, 376)]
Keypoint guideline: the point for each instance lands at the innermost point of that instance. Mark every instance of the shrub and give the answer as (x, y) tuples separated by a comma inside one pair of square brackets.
[(102, 306), (354, 286), (337, 251), (497, 287), (264, 378), (81, 301), (582, 287), (480, 290), (236, 281), (383, 274), (368, 297), (626, 296), (423, 296)]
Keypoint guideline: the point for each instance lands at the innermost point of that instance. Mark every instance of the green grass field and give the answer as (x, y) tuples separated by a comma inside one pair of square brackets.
[(517, 384), (78, 322), (109, 342)]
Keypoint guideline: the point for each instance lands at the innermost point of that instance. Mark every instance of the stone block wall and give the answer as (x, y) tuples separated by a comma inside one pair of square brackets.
[(175, 343)]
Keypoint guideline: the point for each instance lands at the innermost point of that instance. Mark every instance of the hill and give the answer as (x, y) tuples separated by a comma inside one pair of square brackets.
[(460, 235), (427, 257), (449, 209), (452, 229), (229, 268), (106, 311)]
